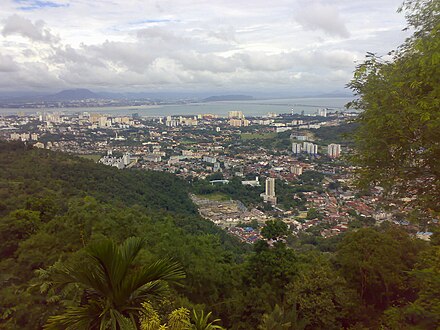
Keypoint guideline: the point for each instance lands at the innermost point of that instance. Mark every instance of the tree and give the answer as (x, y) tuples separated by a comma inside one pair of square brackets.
[(424, 312), (113, 289), (15, 228), (398, 144), (320, 295), (376, 264), (274, 229), (312, 213), (177, 320)]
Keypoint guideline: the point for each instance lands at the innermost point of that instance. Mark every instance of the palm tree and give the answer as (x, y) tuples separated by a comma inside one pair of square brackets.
[(113, 289)]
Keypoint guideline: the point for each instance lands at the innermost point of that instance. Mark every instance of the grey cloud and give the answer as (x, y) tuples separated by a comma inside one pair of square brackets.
[(226, 34), (161, 35), (133, 56), (324, 17), (34, 75), (68, 54), (7, 64), (18, 25)]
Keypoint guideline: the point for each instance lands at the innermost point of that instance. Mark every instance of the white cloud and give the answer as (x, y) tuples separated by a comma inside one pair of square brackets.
[(324, 17), (136, 45)]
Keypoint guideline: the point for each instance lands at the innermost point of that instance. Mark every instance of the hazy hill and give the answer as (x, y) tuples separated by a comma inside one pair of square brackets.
[(72, 94), (228, 98)]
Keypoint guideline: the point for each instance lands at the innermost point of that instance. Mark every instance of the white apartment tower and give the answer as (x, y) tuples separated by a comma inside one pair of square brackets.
[(235, 114), (296, 148), (310, 148), (322, 112), (269, 195), (334, 150), (296, 169), (270, 187)]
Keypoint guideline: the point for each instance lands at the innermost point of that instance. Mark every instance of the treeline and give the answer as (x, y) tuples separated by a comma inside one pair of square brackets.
[(34, 171), (337, 134), (280, 142)]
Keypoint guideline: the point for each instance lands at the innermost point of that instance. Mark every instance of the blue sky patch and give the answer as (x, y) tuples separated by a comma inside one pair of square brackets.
[(38, 4), (148, 21)]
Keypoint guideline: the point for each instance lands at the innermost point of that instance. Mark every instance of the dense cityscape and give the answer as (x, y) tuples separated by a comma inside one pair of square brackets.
[(288, 166)]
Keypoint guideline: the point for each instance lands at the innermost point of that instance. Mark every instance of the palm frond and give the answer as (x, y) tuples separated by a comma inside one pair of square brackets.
[(74, 318), (152, 279), (111, 289)]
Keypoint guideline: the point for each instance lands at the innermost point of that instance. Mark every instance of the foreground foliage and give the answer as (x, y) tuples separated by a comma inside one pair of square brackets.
[(398, 138), (113, 292)]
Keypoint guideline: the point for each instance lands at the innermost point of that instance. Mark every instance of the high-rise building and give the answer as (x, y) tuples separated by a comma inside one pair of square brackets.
[(269, 195), (296, 148), (103, 122), (270, 187), (126, 159), (334, 150), (94, 118), (296, 169), (235, 122), (170, 122), (322, 112), (310, 148), (235, 114)]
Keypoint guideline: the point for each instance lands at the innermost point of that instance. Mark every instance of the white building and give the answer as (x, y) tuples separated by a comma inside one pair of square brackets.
[(209, 159), (253, 183), (172, 122), (21, 137), (310, 148), (152, 158), (322, 112), (296, 169), (238, 122), (112, 161), (104, 122), (235, 114), (126, 159), (300, 137), (217, 167), (334, 150), (296, 148), (269, 195)]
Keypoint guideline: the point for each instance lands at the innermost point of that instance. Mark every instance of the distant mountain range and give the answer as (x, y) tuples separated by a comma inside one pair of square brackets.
[(72, 95), (228, 98), (86, 94)]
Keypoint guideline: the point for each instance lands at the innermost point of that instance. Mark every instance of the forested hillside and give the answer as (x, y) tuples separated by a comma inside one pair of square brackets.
[(37, 171), (53, 205)]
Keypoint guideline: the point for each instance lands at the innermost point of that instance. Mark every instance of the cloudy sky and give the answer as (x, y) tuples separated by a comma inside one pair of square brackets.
[(286, 46)]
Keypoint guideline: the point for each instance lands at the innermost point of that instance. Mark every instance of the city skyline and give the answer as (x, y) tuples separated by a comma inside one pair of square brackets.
[(292, 47)]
